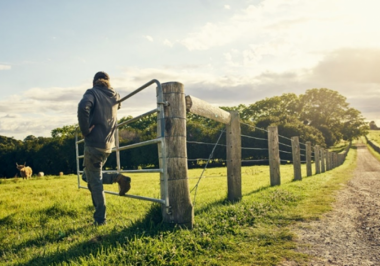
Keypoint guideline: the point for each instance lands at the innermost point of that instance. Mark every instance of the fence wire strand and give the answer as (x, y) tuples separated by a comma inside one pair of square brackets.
[(204, 169)]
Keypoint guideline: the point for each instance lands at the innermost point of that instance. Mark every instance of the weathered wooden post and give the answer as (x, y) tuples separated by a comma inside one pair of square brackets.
[(308, 158), (181, 211), (274, 156), (234, 157), (340, 157), (317, 160), (323, 160), (328, 162), (332, 160), (296, 158)]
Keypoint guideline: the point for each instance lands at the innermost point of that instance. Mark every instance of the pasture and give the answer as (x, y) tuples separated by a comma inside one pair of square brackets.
[(48, 220), (374, 136)]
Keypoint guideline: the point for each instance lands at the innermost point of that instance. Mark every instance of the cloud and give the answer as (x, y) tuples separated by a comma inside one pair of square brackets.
[(284, 35), (168, 43), (10, 116), (227, 7), (149, 38), (350, 71), (350, 65), (5, 67)]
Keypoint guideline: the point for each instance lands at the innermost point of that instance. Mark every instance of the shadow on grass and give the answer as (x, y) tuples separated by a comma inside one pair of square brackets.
[(224, 202), (150, 225)]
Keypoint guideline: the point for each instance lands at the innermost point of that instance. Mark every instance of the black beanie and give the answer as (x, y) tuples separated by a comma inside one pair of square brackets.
[(101, 75)]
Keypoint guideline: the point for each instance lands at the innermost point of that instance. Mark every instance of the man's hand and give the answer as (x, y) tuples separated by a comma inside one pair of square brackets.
[(91, 128)]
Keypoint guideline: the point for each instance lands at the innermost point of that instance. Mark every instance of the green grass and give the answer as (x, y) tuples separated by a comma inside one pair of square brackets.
[(339, 147), (47, 221), (374, 136)]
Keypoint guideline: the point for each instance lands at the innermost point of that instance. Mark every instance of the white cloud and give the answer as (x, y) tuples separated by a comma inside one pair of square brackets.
[(351, 72), (227, 7), (5, 67), (168, 43), (149, 38), (289, 34)]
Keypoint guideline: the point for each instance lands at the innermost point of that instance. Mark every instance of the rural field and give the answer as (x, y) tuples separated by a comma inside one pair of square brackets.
[(48, 220), (374, 135)]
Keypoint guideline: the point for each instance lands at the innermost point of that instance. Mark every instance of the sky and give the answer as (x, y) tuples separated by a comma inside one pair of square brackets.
[(224, 52)]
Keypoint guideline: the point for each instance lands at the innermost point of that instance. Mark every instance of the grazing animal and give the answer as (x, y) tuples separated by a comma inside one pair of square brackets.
[(25, 171), (40, 174)]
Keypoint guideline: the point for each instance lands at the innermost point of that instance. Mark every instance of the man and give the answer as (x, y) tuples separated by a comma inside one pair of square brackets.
[(97, 121)]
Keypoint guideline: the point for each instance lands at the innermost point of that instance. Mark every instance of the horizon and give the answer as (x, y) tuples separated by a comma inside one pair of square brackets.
[(226, 53)]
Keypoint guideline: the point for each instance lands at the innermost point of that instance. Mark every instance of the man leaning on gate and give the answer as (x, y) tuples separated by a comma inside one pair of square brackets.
[(97, 121)]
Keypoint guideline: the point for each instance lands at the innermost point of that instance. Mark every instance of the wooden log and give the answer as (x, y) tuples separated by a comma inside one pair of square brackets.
[(274, 156), (308, 158), (332, 160), (323, 160), (317, 160), (202, 108), (233, 140), (181, 211), (328, 162), (296, 158)]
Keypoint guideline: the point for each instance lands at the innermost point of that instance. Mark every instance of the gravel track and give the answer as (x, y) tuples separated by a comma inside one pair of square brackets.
[(350, 233)]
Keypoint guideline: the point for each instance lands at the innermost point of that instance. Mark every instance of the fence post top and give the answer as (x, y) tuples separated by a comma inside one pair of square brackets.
[(171, 83)]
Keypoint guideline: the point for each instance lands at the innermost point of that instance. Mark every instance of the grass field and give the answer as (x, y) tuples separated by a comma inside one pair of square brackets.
[(374, 136), (48, 221)]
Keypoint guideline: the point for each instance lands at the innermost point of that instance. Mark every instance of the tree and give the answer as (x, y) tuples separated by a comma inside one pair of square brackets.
[(65, 131), (373, 126), (286, 107), (354, 125), (329, 112)]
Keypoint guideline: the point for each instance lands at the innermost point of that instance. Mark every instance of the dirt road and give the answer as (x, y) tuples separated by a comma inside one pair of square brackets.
[(350, 234)]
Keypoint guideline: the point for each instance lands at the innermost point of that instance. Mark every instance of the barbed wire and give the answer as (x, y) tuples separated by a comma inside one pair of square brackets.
[(204, 143), (259, 149), (280, 143), (254, 127), (251, 137), (285, 137), (285, 151)]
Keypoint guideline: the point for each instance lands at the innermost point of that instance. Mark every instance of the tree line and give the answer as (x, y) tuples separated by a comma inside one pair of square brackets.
[(321, 116)]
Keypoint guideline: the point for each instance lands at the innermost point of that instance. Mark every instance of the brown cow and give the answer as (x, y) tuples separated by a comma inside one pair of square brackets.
[(25, 171)]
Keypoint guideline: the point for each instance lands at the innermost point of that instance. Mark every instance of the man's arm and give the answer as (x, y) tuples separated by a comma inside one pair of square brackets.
[(84, 110)]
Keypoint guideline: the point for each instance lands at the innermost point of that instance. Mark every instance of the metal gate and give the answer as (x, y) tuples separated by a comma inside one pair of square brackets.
[(160, 141)]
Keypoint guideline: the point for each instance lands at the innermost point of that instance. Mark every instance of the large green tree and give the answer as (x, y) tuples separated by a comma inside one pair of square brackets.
[(329, 112)]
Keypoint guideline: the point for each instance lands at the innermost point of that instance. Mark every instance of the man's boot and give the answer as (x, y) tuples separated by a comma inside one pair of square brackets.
[(124, 184)]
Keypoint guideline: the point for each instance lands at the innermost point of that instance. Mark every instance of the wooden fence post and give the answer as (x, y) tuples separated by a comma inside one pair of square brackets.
[(274, 156), (308, 158), (332, 160), (296, 158), (323, 160), (181, 211), (328, 162), (317, 160), (234, 157)]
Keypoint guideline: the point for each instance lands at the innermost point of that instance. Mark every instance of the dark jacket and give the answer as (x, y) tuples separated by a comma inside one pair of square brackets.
[(99, 107)]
